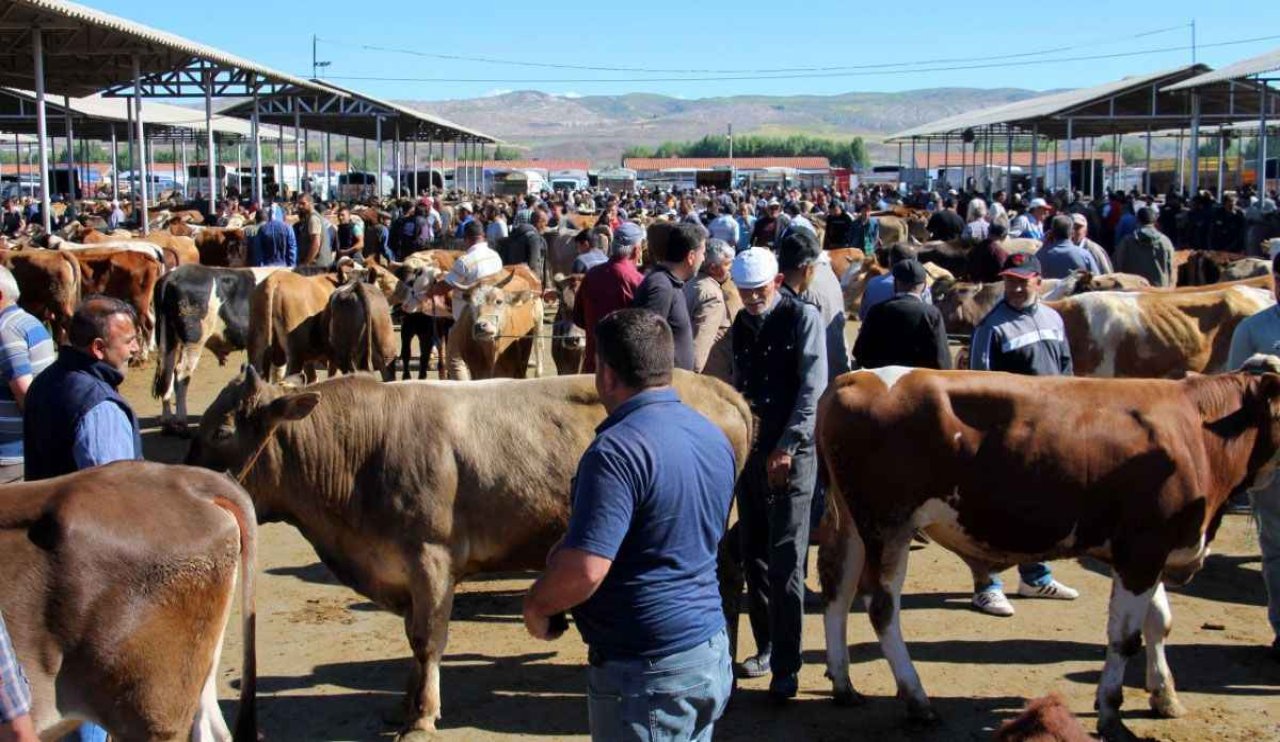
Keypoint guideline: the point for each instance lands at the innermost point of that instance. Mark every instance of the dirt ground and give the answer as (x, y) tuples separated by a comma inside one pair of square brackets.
[(333, 667)]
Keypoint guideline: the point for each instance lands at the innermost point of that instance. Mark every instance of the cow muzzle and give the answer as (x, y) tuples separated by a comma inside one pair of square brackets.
[(485, 328)]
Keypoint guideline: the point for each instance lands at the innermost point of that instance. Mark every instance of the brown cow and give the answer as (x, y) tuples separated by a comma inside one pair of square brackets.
[(498, 329), (116, 585), (177, 250), (127, 275), (426, 306), (433, 509), (357, 326), (50, 284), (284, 328), (217, 246), (1004, 469), (568, 341)]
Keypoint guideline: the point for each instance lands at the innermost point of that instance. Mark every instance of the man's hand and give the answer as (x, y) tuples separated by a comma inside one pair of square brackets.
[(21, 729), (539, 627), (778, 468)]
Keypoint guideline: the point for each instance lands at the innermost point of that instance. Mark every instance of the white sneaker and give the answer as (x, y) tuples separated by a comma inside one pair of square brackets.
[(1054, 591), (993, 603)]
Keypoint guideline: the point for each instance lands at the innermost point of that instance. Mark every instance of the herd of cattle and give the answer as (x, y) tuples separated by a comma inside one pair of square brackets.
[(999, 469)]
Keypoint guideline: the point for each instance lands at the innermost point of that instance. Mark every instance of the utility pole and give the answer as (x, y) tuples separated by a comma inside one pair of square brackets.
[(1193, 41), (730, 135), (316, 64)]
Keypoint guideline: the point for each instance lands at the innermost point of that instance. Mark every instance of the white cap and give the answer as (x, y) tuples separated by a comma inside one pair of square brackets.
[(1037, 203), (753, 268)]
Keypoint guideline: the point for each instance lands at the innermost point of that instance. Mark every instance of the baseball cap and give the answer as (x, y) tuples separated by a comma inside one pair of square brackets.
[(1037, 203), (753, 268), (909, 272), (1021, 265), (797, 249), (628, 234), (774, 202), (1079, 219)]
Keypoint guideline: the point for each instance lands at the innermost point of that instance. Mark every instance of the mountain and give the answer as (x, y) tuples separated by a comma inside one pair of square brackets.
[(600, 127)]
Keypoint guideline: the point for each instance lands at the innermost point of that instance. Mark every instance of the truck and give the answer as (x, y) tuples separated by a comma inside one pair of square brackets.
[(198, 180), (617, 179), (519, 183), (570, 180)]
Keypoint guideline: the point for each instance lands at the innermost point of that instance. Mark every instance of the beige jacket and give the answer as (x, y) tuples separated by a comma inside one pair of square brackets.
[(712, 307)]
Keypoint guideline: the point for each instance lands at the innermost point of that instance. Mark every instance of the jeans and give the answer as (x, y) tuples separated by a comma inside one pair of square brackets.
[(1266, 511), (677, 697), (1035, 574)]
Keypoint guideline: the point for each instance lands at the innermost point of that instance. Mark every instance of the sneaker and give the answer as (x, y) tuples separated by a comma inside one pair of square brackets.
[(1054, 591), (783, 688), (993, 603), (752, 667)]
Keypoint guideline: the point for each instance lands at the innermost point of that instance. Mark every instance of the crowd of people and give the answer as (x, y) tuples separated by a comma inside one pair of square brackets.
[(744, 291)]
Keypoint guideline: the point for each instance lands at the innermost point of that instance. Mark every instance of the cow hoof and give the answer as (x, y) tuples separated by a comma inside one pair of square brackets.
[(1167, 705), (848, 698), (919, 714), (1116, 731)]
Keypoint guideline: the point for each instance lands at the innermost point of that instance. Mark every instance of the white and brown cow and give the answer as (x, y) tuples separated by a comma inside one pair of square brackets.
[(1004, 469), (116, 585)]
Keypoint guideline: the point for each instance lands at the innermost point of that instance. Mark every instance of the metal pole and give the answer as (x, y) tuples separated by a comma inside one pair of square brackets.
[(378, 177), (913, 153), (328, 151), (946, 159), (115, 166), (1146, 179), (257, 153), (1262, 140), (1195, 142), (17, 155), (208, 143), (1115, 161), (173, 158), (1035, 159), (142, 145), (395, 158), (456, 185), (71, 148), (928, 164), (42, 128), (415, 168), (1222, 157), (297, 146), (1008, 165), (1182, 183)]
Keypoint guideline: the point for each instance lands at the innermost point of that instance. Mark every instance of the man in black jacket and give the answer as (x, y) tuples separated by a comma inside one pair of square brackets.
[(662, 291), (904, 331), (946, 224), (526, 245)]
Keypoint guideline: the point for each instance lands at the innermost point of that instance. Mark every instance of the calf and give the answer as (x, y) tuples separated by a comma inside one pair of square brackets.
[(284, 323), (1004, 469), (568, 341), (116, 585), (357, 323)]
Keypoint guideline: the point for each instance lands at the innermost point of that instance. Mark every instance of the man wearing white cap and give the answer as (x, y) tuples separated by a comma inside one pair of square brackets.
[(780, 366), (478, 263), (1030, 223)]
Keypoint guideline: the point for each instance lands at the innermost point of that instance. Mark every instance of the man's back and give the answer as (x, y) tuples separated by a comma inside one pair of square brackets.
[(1061, 259), (903, 331), (25, 349), (1147, 253), (663, 475), (605, 288), (277, 245)]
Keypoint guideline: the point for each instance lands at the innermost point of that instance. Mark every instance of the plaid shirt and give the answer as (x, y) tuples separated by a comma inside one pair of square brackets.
[(15, 694)]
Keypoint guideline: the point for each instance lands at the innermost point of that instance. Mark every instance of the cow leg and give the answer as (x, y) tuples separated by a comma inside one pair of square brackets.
[(408, 328), (841, 558), (209, 726), (888, 572), (428, 628), (1155, 629), (1126, 616)]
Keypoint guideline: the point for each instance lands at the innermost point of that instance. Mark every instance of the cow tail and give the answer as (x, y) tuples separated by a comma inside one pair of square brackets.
[(73, 295), (166, 346), (269, 329), (240, 506), (369, 353)]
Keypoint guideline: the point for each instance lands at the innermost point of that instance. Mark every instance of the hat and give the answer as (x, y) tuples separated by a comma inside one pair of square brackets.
[(628, 234), (753, 268), (466, 205), (1079, 219), (774, 202), (909, 272), (1037, 203), (1021, 265), (796, 250)]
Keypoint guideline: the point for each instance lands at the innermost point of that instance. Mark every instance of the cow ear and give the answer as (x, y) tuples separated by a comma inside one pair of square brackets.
[(294, 381), (292, 406), (550, 295)]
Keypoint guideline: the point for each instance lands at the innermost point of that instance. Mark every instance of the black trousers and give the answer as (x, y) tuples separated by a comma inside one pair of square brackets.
[(773, 527)]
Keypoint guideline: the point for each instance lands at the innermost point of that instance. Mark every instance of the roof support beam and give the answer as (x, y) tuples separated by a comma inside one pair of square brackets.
[(42, 128)]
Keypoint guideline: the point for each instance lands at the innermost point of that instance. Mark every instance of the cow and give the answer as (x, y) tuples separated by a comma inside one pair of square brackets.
[(845, 259), (177, 250), (498, 329), (198, 307), (1245, 268), (963, 304), (284, 327), (128, 275), (895, 229), (425, 305), (1201, 267), (217, 246), (50, 284), (403, 517), (116, 586), (1004, 469), (357, 326), (568, 341)]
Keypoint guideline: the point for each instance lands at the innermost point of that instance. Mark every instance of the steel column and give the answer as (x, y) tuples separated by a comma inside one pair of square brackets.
[(297, 147), (327, 176), (377, 178), (115, 169), (1035, 162), (1008, 164), (257, 154), (1195, 142), (415, 168), (1262, 139), (208, 143), (1222, 157), (71, 148), (144, 186), (1146, 178), (42, 129)]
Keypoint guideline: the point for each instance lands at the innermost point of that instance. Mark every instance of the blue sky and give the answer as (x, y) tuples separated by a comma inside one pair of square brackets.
[(747, 39)]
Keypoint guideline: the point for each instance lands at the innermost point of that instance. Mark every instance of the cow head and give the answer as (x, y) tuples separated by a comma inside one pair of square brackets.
[(384, 280), (236, 424), (491, 308)]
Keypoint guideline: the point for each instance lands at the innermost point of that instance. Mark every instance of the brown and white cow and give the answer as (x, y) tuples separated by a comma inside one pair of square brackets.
[(116, 586), (568, 341), (357, 326), (498, 330), (425, 305), (50, 284), (963, 304), (403, 517), (1004, 469)]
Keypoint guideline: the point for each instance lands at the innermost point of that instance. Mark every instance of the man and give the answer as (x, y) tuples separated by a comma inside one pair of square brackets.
[(904, 331), (1147, 253), (609, 287), (463, 215), (1261, 334), (1022, 336), (1060, 256), (13, 221), (780, 366), (986, 259), (711, 310), (25, 350), (880, 288), (723, 226), (765, 232), (495, 230), (377, 240), (946, 224), (350, 234), (839, 231), (662, 291), (866, 231), (1226, 227), (312, 236), (1080, 238), (15, 695), (589, 253), (527, 245), (273, 244), (637, 565), (1030, 224), (803, 263)]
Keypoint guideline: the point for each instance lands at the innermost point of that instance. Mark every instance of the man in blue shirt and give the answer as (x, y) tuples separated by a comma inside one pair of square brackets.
[(25, 350), (1060, 256), (15, 695), (638, 563), (880, 289), (274, 244)]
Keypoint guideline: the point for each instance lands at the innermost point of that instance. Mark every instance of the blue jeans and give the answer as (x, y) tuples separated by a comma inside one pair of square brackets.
[(87, 733), (1266, 511), (1035, 574), (677, 697)]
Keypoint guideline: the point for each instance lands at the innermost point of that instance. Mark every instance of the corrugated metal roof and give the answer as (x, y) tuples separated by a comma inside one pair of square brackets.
[(1242, 69), (934, 159), (741, 163), (412, 113), (548, 165)]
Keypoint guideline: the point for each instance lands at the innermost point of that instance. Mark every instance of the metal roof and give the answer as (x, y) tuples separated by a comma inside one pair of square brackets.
[(1130, 105), (89, 51), (93, 117), (741, 163), (337, 110), (1245, 68)]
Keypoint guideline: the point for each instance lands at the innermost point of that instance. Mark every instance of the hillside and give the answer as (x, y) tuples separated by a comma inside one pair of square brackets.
[(600, 127)]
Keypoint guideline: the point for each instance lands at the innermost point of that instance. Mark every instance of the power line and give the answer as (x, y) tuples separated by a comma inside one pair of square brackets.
[(694, 71), (897, 70)]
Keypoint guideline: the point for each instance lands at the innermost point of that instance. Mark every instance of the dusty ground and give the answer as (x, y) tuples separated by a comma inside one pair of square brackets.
[(331, 666)]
